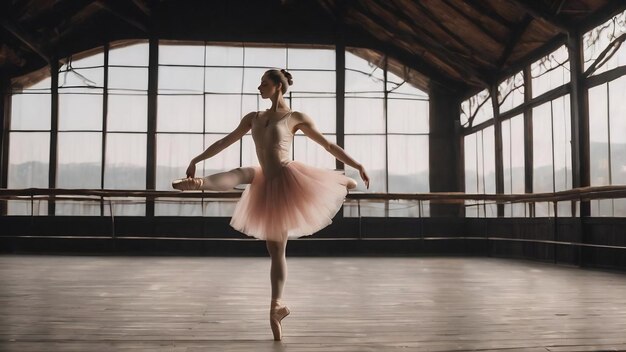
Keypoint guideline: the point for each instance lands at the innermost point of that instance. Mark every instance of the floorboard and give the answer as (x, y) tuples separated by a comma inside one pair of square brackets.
[(183, 304)]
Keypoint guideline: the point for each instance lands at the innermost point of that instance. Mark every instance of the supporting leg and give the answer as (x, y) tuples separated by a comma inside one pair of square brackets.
[(278, 276)]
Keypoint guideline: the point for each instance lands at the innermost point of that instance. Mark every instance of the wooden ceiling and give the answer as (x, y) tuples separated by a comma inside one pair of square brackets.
[(461, 45)]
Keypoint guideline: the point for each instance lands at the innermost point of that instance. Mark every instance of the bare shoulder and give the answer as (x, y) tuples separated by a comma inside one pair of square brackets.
[(247, 118), (300, 117)]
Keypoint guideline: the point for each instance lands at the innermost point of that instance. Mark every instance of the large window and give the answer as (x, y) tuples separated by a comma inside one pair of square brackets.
[(552, 162), (203, 91), (386, 129), (604, 51), (513, 163), (607, 130), (480, 170), (29, 148)]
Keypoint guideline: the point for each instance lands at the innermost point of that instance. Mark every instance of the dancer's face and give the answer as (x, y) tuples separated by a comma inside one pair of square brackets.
[(268, 88)]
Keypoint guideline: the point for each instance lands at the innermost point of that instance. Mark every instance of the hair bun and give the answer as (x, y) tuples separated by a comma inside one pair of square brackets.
[(287, 75)]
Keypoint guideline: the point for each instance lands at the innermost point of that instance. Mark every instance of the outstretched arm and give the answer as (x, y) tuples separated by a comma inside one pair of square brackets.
[(218, 146), (307, 126)]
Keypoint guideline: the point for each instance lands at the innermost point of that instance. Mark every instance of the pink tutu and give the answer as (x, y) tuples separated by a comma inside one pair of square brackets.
[(299, 201)]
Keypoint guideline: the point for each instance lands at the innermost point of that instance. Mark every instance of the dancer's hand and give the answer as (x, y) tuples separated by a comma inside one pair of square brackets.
[(364, 176), (191, 170)]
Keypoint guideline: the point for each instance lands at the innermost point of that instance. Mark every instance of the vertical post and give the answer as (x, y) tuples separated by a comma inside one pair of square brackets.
[(445, 149), (54, 131), (340, 89), (579, 105), (5, 125), (153, 79), (497, 124), (105, 107), (528, 138)]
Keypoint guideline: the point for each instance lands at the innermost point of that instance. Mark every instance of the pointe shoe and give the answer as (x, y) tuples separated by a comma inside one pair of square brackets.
[(187, 184), (276, 315)]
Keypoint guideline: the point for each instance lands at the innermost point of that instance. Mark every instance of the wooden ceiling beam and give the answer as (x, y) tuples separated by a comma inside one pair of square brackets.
[(433, 46), (435, 21), (473, 21), (489, 12), (25, 38), (360, 38), (514, 38), (534, 9)]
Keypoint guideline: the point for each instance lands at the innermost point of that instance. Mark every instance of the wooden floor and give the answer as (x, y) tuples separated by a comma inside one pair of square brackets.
[(62, 303)]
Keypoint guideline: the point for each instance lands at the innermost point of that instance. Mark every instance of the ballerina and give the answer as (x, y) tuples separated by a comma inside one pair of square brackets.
[(283, 198)]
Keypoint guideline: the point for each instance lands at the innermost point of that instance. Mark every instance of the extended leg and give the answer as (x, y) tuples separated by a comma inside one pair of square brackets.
[(222, 181), (278, 276)]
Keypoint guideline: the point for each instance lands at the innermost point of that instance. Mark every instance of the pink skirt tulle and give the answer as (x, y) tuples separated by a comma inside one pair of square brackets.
[(299, 201)]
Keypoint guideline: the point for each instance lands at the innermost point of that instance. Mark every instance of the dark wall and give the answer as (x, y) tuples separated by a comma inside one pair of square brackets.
[(524, 238)]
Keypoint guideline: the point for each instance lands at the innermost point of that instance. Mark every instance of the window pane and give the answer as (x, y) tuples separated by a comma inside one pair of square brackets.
[(125, 206), (174, 152), (471, 164), (180, 113), (550, 72), (80, 112), (364, 115), (181, 80), (617, 117), (511, 92), (479, 108), (369, 151), (321, 108), (79, 160), (265, 57), (513, 162), (313, 81), (599, 38), (180, 54), (407, 116), (127, 113), (125, 163), (224, 80), (218, 55), (85, 78), (130, 55), (30, 112), (489, 159), (126, 79), (408, 164), (562, 144), (223, 112), (598, 135), (542, 149), (323, 59), (29, 155), (311, 153)]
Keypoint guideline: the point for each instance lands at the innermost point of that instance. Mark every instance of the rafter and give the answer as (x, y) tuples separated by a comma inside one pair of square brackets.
[(438, 23), (489, 12), (25, 38), (424, 39), (539, 12), (473, 21), (514, 38), (359, 37)]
